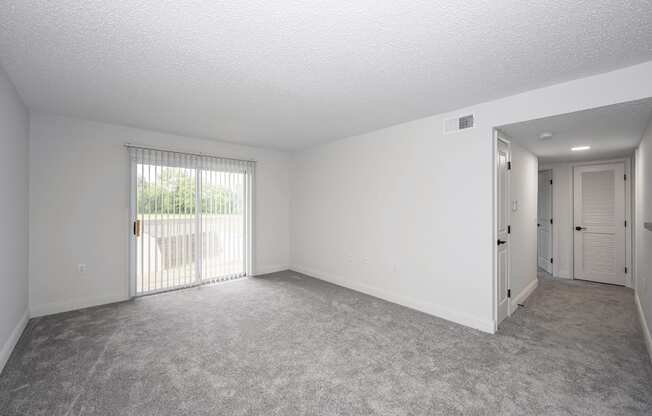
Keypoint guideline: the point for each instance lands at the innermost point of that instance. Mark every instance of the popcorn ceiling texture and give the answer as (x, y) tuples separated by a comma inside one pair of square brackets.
[(290, 345), (290, 74)]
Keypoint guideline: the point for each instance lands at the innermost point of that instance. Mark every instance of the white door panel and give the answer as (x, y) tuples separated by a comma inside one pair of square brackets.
[(502, 255), (599, 216), (544, 221)]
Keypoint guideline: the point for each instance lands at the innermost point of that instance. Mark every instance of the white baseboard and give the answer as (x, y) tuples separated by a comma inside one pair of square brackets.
[(269, 269), (425, 307), (521, 297), (563, 274), (628, 281), (58, 307), (646, 329), (11, 342)]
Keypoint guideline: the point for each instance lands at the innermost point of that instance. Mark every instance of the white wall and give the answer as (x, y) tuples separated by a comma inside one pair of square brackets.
[(405, 213), (643, 210), (562, 214), (79, 208), (524, 181), (14, 126)]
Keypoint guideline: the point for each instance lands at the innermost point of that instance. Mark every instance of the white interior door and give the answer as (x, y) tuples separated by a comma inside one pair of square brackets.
[(544, 221), (502, 250), (599, 221)]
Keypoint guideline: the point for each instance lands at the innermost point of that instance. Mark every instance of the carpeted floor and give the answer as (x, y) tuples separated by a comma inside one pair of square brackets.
[(289, 345)]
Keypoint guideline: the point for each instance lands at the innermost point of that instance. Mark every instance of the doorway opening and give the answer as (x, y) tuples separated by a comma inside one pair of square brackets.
[(569, 193), (191, 217)]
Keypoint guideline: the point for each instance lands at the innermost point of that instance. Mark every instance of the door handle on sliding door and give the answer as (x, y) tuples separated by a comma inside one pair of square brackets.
[(578, 228), (502, 242)]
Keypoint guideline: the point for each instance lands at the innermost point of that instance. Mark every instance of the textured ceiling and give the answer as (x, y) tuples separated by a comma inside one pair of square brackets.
[(611, 131), (290, 74)]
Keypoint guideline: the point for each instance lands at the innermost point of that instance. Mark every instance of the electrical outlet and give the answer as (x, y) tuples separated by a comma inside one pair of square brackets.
[(81, 267)]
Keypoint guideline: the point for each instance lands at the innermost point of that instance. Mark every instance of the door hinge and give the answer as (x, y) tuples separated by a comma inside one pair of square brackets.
[(550, 220), (509, 293), (551, 260), (625, 269), (509, 229), (550, 181), (625, 223), (509, 165), (625, 176)]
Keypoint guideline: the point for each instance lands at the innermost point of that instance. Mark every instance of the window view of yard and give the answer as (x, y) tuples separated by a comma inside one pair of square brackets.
[(172, 204)]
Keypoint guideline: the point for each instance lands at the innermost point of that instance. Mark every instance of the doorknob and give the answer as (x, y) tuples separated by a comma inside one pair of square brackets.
[(502, 242), (578, 228)]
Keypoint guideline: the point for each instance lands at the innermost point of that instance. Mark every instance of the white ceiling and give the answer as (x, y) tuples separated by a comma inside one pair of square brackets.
[(290, 74), (611, 131)]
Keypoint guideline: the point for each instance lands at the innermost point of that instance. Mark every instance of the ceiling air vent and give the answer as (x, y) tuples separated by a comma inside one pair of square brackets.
[(453, 125)]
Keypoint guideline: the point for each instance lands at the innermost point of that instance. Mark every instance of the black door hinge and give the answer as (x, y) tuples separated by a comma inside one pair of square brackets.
[(625, 223), (509, 229), (509, 293), (625, 270), (550, 181), (551, 260), (509, 165), (625, 176), (550, 220)]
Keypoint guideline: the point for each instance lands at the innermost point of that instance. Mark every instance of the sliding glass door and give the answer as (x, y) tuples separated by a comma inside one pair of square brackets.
[(191, 219)]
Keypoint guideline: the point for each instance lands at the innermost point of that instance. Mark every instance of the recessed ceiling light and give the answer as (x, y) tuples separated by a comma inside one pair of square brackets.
[(578, 148), (545, 135)]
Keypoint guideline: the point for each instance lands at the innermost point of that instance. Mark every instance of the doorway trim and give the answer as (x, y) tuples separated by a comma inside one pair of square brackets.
[(627, 161)]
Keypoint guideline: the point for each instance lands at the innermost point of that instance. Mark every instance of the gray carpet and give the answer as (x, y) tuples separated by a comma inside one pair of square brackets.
[(288, 345)]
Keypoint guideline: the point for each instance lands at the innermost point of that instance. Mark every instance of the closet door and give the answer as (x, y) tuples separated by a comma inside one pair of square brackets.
[(599, 229)]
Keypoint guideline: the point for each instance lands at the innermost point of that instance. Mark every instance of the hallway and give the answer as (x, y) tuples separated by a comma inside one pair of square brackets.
[(585, 338), (293, 345)]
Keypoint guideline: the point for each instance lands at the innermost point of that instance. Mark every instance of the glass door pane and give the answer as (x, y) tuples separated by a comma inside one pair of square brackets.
[(166, 242), (223, 224)]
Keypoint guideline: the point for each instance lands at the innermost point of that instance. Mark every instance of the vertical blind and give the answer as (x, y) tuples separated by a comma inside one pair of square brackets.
[(192, 219)]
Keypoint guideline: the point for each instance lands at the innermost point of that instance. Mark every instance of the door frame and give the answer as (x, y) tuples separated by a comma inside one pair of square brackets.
[(627, 162), (553, 242), (132, 181), (499, 136), (131, 274)]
